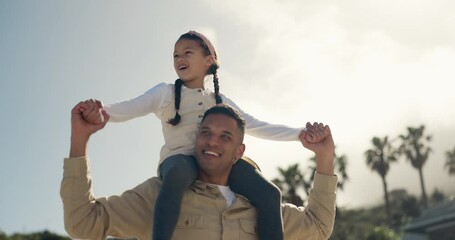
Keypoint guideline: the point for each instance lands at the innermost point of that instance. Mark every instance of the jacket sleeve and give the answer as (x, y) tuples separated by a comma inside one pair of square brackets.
[(151, 101), (265, 130), (316, 221), (86, 217)]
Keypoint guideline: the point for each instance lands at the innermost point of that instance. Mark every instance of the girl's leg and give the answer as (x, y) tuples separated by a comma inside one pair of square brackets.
[(178, 172), (264, 195)]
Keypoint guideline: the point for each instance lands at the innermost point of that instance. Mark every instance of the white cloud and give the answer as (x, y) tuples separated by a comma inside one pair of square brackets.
[(367, 68)]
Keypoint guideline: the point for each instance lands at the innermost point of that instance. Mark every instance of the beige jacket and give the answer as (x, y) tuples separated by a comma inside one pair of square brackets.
[(204, 214)]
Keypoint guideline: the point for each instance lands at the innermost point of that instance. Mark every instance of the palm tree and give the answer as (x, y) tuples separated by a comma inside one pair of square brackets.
[(415, 147), (290, 180), (450, 161), (378, 159), (340, 165), (293, 179)]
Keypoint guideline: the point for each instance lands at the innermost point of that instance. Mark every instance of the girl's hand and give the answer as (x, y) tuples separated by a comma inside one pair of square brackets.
[(93, 111), (315, 132), (317, 138)]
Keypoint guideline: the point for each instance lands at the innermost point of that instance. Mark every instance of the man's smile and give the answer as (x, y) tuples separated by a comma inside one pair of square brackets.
[(211, 153)]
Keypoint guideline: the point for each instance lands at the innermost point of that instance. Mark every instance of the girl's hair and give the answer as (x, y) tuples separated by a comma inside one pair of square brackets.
[(208, 50)]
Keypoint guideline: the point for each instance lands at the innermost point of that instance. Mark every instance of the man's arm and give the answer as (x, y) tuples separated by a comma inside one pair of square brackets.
[(87, 217), (324, 149), (316, 221), (75, 189)]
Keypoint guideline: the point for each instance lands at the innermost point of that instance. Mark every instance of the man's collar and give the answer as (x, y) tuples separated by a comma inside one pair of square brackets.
[(211, 190)]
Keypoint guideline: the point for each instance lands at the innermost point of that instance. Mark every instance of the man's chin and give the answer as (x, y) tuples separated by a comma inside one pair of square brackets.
[(208, 164)]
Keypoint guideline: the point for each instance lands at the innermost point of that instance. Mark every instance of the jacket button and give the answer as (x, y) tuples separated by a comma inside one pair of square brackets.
[(200, 103)]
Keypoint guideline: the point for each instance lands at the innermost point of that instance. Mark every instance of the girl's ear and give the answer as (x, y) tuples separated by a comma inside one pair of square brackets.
[(209, 60)]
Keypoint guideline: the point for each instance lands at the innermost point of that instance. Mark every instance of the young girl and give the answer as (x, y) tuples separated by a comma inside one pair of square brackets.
[(180, 107)]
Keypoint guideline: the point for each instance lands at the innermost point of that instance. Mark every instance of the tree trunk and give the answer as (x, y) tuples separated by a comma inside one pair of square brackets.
[(387, 203), (424, 193)]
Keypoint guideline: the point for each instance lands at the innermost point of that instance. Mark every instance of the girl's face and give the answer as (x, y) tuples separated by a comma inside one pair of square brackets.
[(191, 63)]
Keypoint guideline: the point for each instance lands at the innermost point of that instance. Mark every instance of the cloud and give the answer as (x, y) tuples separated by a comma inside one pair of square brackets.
[(303, 56), (367, 68)]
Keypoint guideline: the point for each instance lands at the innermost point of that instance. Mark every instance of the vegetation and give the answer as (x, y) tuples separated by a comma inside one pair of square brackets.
[(450, 161), (378, 159), (415, 148), (385, 221), (292, 180), (44, 235)]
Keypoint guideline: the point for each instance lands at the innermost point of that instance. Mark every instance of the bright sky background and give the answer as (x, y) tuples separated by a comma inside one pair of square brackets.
[(367, 68)]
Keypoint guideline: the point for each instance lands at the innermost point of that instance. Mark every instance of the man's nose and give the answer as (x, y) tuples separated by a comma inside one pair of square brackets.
[(213, 141)]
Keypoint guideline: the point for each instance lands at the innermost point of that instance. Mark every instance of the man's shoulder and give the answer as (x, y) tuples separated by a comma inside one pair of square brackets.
[(148, 188)]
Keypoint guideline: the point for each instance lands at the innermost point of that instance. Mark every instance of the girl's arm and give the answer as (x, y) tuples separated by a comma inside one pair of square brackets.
[(151, 101), (265, 130)]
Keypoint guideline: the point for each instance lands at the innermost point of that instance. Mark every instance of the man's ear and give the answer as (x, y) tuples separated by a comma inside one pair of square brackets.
[(240, 151)]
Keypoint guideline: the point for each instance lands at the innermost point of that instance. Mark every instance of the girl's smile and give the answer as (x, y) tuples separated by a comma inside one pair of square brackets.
[(191, 63)]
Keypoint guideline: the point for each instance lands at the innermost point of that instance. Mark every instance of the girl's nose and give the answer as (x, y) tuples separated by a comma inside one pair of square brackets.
[(179, 59)]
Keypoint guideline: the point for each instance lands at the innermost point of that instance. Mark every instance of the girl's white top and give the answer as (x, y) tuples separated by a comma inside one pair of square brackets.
[(180, 139)]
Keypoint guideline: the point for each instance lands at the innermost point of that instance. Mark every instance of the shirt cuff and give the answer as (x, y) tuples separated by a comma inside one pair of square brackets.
[(325, 183), (78, 166)]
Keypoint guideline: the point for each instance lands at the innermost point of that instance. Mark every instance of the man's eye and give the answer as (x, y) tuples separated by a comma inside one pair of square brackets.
[(188, 52), (226, 137)]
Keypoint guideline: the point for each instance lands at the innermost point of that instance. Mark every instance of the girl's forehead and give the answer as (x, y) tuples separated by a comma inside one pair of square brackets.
[(186, 43)]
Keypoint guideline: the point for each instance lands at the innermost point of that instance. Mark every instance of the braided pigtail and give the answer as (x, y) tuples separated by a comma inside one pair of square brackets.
[(216, 86), (178, 88)]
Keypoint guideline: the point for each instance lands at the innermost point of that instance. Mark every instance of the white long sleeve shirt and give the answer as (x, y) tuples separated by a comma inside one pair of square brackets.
[(180, 139)]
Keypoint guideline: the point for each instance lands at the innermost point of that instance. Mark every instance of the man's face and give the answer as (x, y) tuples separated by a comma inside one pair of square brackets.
[(218, 144)]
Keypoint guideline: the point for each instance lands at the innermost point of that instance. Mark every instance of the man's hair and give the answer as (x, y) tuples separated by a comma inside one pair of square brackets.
[(229, 111)]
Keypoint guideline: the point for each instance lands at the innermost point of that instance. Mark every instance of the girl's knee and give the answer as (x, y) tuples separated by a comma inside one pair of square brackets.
[(180, 174), (178, 167)]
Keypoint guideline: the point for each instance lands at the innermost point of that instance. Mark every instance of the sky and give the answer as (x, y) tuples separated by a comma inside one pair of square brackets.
[(366, 68)]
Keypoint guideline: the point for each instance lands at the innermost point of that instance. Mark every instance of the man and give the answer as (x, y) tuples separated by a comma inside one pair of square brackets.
[(205, 213)]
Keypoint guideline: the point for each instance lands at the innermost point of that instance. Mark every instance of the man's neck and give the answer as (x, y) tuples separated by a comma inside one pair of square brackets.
[(217, 180)]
